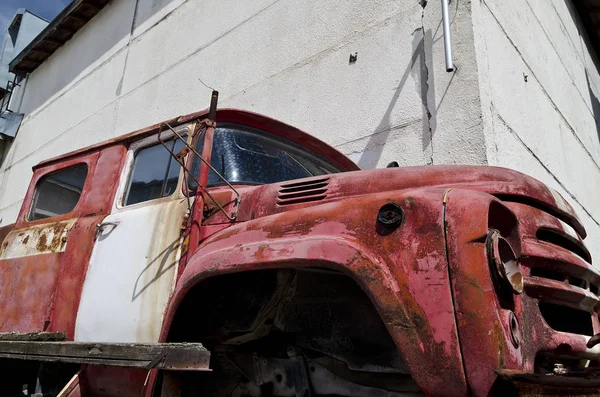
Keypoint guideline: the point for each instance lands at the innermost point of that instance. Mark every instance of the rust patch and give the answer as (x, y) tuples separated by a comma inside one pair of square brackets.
[(42, 245), (500, 343), (37, 239)]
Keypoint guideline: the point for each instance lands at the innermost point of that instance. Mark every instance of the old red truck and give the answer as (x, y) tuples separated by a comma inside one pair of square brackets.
[(302, 275)]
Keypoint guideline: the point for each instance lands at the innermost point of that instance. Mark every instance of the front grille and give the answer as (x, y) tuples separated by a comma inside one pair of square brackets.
[(558, 271), (562, 279)]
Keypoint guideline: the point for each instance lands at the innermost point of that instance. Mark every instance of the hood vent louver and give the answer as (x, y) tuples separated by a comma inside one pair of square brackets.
[(303, 192)]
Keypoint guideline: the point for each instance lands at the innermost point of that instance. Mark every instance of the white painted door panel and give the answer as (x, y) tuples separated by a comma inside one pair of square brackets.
[(131, 274)]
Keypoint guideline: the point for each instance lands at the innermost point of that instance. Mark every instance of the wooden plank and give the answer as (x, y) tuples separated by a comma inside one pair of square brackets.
[(33, 336), (72, 388), (166, 356)]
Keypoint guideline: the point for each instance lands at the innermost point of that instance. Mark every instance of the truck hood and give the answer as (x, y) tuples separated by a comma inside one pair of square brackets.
[(506, 184)]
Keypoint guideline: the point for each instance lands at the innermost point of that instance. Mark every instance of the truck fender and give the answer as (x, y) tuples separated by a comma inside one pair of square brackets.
[(402, 316)]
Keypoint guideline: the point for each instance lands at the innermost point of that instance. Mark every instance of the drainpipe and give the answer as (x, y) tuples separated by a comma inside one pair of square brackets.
[(447, 38)]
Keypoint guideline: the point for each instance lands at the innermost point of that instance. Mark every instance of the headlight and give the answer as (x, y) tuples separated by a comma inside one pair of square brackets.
[(504, 262)]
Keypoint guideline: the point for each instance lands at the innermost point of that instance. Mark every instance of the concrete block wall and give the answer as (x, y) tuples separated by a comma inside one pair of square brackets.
[(539, 98), (141, 61)]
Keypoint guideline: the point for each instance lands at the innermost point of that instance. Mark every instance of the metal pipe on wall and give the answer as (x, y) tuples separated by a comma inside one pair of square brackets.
[(447, 37)]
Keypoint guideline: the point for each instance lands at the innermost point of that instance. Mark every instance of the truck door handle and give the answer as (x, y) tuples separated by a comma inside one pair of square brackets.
[(100, 227)]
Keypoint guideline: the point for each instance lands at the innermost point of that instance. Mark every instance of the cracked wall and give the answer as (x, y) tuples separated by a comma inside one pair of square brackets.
[(138, 62), (539, 85)]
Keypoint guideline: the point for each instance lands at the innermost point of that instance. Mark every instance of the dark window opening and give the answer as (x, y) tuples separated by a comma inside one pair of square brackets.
[(155, 173), (58, 193), (245, 155)]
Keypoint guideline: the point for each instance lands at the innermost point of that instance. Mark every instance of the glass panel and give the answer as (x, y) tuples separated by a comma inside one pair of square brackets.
[(58, 193), (155, 173), (245, 155), (173, 174)]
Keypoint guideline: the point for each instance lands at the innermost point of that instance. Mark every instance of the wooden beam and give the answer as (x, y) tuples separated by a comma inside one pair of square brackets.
[(66, 29), (90, 6), (78, 19), (43, 52), (166, 356), (33, 336), (54, 42)]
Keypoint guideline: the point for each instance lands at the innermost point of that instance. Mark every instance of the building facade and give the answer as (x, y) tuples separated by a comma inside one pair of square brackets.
[(524, 94), (23, 28)]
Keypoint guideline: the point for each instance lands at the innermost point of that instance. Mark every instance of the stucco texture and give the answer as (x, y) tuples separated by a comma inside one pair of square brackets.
[(524, 94), (539, 98), (139, 62)]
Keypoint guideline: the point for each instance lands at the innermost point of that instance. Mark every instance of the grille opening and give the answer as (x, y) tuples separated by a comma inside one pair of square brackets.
[(567, 243), (545, 362), (317, 185), (577, 282), (302, 194), (304, 183), (562, 215), (545, 273), (594, 289), (301, 200), (566, 319)]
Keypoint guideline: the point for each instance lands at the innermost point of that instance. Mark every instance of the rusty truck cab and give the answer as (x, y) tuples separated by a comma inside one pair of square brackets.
[(300, 273), (101, 235)]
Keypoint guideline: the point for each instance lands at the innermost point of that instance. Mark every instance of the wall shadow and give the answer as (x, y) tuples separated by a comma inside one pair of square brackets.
[(591, 45), (423, 78), (595, 105)]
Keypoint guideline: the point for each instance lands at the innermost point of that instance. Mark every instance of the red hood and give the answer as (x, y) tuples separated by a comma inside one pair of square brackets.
[(506, 184)]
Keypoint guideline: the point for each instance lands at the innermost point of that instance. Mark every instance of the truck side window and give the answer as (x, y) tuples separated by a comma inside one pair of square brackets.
[(155, 174), (58, 193)]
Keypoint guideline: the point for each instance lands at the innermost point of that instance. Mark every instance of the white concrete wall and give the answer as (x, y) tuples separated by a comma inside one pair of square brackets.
[(539, 96), (139, 62)]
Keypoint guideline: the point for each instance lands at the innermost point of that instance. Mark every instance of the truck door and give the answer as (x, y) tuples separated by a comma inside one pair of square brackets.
[(134, 260), (43, 259)]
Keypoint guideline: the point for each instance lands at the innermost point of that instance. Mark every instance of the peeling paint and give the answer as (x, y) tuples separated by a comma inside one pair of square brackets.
[(41, 239)]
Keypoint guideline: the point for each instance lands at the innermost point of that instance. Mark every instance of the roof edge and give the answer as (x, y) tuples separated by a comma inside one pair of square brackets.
[(56, 24)]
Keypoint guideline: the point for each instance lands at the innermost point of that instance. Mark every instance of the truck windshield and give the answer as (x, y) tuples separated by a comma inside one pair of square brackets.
[(248, 156)]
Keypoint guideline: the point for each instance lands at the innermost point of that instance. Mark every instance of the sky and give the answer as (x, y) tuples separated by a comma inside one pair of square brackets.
[(47, 9)]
